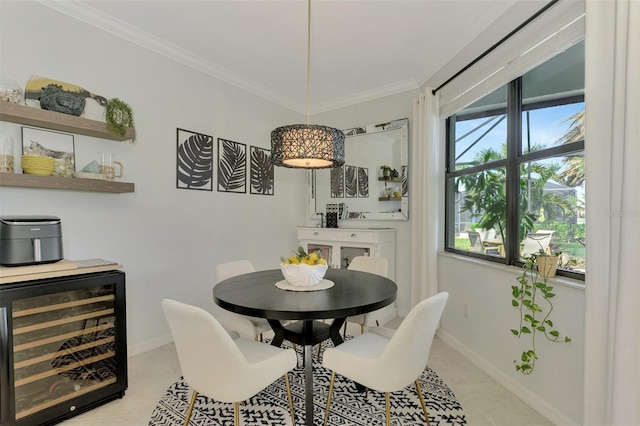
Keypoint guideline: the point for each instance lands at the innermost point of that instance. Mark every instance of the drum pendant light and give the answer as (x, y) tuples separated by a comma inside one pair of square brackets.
[(307, 146)]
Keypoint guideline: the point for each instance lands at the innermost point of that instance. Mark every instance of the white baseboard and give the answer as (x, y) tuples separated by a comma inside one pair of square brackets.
[(149, 345), (538, 404)]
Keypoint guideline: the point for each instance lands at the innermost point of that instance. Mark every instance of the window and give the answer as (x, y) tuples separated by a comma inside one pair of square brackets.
[(515, 168)]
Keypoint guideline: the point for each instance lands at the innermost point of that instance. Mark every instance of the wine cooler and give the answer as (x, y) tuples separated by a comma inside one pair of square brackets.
[(63, 346)]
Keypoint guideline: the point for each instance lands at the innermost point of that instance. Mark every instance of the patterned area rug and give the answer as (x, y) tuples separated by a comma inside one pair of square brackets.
[(348, 406)]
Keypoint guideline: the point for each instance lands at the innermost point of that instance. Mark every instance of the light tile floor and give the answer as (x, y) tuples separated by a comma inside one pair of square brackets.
[(485, 402)]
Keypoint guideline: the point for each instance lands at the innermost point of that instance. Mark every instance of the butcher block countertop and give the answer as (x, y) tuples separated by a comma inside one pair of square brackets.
[(62, 268)]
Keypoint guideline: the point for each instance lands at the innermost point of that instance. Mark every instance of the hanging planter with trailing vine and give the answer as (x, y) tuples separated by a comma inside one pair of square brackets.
[(533, 298)]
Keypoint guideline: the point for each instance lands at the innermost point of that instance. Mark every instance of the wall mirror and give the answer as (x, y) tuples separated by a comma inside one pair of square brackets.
[(361, 189)]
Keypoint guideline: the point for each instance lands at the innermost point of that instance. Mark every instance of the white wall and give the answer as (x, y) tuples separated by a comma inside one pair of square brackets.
[(169, 240), (555, 386), (380, 111)]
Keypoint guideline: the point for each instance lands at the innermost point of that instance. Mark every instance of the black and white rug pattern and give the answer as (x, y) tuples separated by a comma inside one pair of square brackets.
[(348, 406)]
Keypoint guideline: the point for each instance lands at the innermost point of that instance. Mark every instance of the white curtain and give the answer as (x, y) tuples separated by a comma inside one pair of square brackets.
[(425, 177), (612, 322)]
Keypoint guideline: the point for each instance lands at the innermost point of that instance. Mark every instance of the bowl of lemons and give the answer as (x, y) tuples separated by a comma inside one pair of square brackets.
[(302, 269)]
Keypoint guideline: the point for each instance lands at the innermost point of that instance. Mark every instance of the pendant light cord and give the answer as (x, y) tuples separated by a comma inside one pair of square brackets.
[(308, 57)]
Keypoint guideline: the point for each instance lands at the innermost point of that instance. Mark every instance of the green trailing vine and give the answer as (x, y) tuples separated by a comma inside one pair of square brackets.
[(527, 299), (119, 116)]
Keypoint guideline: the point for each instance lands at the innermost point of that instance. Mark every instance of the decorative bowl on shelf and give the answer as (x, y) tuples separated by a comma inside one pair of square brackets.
[(40, 166), (303, 275)]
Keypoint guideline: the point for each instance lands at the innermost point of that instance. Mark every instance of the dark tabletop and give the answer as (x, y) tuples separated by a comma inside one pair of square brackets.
[(256, 295)]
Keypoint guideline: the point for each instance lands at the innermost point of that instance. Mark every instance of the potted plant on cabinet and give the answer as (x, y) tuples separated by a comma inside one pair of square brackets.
[(535, 314)]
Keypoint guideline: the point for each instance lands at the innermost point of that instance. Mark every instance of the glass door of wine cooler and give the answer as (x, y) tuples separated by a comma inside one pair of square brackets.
[(65, 347)]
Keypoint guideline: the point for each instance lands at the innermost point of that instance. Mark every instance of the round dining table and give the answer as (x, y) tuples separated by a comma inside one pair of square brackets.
[(352, 293)]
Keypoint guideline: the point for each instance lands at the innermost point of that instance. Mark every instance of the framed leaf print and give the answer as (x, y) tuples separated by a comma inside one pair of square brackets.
[(261, 173), (194, 161), (337, 182), (351, 181), (363, 182), (405, 182), (232, 166)]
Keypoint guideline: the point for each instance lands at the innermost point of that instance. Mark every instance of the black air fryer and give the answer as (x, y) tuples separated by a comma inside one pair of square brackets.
[(29, 240)]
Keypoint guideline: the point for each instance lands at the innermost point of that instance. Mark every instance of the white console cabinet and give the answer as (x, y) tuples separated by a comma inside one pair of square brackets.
[(339, 245)]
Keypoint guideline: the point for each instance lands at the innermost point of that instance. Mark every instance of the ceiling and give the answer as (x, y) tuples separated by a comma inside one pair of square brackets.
[(360, 49)]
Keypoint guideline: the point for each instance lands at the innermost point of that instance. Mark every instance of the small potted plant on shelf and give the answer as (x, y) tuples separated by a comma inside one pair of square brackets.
[(386, 172), (119, 116), (532, 297)]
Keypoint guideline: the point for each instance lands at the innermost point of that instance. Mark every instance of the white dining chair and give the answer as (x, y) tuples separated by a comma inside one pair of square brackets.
[(388, 361), (374, 265), (220, 367), (479, 245), (535, 242), (244, 325)]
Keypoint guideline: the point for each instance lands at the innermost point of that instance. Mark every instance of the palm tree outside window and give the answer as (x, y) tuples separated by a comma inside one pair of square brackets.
[(515, 165)]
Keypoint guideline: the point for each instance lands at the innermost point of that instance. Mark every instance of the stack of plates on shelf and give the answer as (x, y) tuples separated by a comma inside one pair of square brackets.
[(41, 166)]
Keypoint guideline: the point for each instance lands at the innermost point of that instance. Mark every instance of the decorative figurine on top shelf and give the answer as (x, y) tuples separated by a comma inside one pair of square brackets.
[(53, 98), (37, 85)]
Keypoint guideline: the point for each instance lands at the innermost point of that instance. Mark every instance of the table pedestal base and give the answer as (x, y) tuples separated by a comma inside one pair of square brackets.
[(307, 333)]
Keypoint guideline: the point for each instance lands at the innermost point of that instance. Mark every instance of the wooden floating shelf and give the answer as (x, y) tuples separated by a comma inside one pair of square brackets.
[(390, 179), (73, 184), (52, 120), (389, 198)]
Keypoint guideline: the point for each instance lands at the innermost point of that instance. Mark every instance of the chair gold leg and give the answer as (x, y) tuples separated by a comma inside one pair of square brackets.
[(326, 414), (424, 407), (361, 328), (388, 405), (236, 414), (286, 382), (191, 404)]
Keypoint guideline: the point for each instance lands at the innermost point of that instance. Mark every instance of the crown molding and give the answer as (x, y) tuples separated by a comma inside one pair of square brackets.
[(83, 12), (91, 16), (367, 95)]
